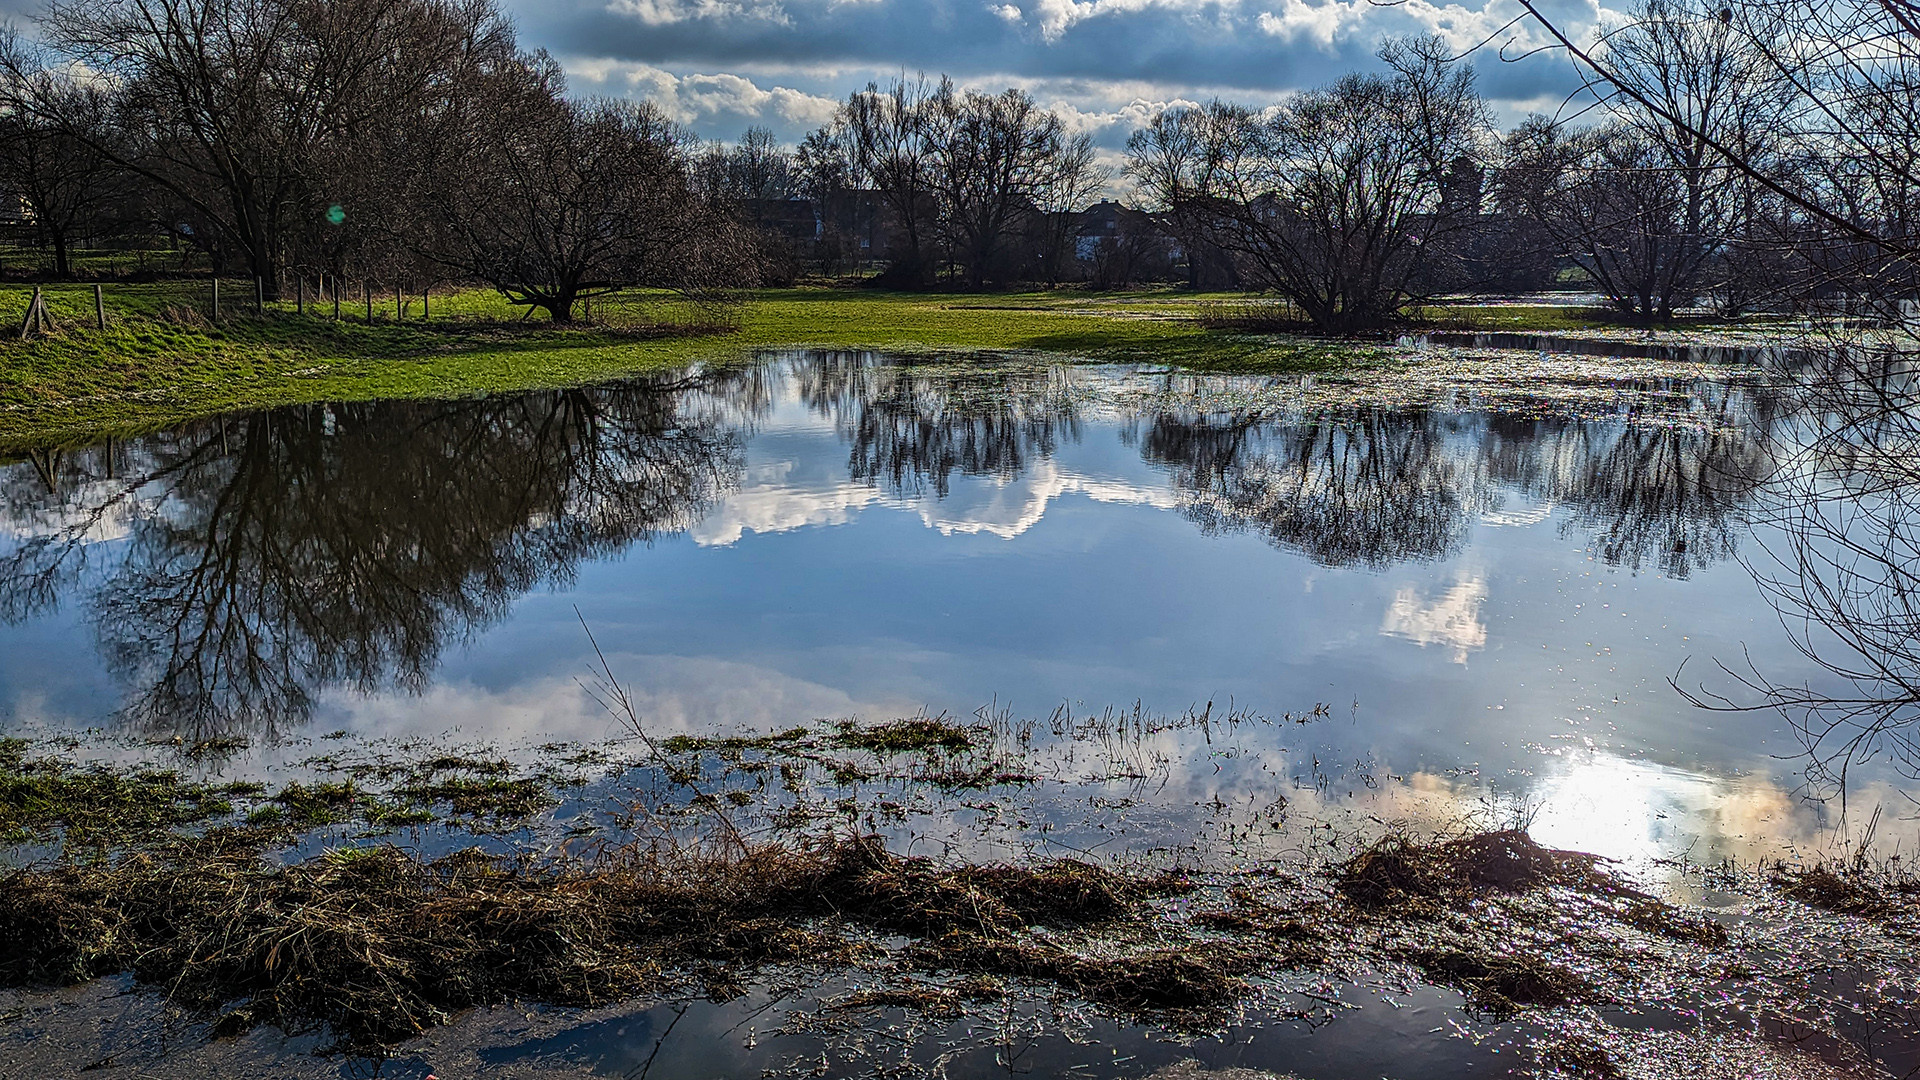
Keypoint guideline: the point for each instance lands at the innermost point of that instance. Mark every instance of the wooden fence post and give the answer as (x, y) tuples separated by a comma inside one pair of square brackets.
[(336, 298), (426, 308), (38, 319), (99, 307), (259, 295), (369, 288), (216, 299), (399, 305)]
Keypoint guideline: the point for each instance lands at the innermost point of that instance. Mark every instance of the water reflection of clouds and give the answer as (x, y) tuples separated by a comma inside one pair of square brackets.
[(771, 499), (779, 497), (672, 694), (1327, 543), (1451, 619)]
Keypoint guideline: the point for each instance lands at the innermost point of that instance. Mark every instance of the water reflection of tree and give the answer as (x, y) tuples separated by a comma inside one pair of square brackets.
[(1667, 490), (1373, 487), (269, 557), (911, 427), (1368, 487)]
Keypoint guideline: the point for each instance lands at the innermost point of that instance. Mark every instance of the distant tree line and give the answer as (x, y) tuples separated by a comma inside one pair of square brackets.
[(1750, 160)]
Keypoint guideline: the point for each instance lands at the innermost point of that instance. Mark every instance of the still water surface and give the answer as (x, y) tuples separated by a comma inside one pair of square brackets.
[(1491, 603)]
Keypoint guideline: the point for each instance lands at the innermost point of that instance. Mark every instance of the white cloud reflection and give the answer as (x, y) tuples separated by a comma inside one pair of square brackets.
[(1453, 618), (774, 499)]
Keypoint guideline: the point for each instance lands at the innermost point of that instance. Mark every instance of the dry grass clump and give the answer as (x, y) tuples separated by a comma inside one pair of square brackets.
[(1844, 892), (1185, 979), (379, 945), (1402, 874), (1577, 1056), (1500, 983), (1260, 316), (1668, 921)]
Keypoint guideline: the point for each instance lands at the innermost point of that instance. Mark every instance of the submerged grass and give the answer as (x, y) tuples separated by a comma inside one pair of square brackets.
[(40, 797), (47, 799)]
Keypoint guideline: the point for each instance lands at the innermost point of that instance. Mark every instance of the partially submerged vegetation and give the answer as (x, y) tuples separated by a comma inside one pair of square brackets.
[(94, 807), (250, 906)]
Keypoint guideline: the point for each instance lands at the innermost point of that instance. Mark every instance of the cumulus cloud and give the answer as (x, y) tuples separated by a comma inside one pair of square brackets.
[(663, 12), (700, 100), (1105, 65), (1316, 22)]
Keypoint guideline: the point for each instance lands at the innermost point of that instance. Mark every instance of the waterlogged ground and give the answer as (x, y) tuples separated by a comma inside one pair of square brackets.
[(1235, 629)]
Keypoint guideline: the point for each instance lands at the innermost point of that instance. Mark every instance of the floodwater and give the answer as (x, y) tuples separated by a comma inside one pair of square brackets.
[(1475, 609)]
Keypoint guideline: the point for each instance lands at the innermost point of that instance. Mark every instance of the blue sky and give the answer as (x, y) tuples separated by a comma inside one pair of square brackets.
[(1106, 65)]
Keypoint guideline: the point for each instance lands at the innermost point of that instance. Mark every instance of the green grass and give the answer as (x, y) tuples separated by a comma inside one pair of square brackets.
[(159, 361), (39, 795)]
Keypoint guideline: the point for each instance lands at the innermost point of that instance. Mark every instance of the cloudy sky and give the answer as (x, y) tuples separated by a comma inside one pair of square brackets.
[(722, 65)]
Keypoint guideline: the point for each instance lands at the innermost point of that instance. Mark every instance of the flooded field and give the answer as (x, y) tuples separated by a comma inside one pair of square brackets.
[(1267, 636)]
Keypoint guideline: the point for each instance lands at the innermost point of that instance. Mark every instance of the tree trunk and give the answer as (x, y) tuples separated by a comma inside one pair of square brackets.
[(266, 272), (61, 268)]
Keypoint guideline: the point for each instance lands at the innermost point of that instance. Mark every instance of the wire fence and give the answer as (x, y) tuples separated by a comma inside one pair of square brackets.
[(29, 308)]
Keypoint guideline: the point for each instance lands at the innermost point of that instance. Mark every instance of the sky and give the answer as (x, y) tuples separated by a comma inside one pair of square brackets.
[(1106, 66)]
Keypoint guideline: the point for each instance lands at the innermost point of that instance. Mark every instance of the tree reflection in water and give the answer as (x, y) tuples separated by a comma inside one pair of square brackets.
[(268, 557), (235, 571), (1370, 487), (1669, 490), (911, 427), (1375, 487)]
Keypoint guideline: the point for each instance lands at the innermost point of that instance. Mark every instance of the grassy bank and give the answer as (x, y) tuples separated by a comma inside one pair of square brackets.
[(160, 360)]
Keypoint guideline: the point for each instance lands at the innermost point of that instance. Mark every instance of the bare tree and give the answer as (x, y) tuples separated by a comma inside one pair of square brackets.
[(1609, 198), (1644, 204), (1187, 164), (887, 130), (993, 159), (554, 202), (1843, 149), (1335, 200), (51, 156), (236, 106), (754, 168), (1069, 187)]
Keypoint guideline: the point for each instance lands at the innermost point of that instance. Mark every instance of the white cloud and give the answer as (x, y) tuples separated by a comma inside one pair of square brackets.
[(1056, 17), (668, 12), (1316, 22), (694, 99)]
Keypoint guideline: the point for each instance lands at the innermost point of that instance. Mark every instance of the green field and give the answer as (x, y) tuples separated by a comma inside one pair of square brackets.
[(161, 360)]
